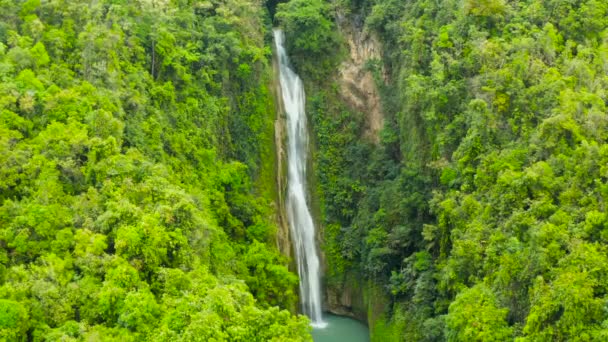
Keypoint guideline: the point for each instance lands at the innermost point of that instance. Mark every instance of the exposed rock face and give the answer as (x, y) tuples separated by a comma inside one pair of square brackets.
[(358, 90), (283, 239), (357, 85), (348, 299)]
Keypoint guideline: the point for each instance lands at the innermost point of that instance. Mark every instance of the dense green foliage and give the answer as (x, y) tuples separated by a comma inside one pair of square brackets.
[(311, 37), (137, 169), (136, 174), (481, 214)]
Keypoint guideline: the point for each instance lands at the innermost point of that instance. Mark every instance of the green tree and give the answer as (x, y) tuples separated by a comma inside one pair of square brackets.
[(13, 321), (311, 37), (474, 316)]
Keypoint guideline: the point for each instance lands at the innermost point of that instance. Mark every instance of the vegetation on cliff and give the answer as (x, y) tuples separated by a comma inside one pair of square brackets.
[(136, 169), (136, 174), (481, 214)]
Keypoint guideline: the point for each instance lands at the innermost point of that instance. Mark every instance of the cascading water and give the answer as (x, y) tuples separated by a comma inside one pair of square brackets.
[(300, 220)]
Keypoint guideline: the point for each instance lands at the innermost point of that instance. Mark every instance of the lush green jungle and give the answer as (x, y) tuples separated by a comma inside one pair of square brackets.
[(138, 169), (137, 174), (481, 213)]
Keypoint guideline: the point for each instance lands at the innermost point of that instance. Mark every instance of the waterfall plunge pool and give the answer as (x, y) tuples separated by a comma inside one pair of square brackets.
[(341, 329)]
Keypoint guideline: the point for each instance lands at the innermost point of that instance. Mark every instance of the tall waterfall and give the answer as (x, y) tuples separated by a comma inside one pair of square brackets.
[(300, 220)]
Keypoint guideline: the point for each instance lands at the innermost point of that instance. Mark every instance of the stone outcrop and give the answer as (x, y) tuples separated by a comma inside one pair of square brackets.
[(358, 90), (357, 85)]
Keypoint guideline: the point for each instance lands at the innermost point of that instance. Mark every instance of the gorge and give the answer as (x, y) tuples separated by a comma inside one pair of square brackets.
[(163, 176), (301, 223), (300, 220)]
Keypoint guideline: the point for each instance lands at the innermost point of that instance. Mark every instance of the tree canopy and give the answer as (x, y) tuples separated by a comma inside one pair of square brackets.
[(137, 174)]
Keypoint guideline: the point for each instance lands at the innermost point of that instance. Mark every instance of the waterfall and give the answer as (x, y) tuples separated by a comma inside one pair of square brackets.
[(300, 221)]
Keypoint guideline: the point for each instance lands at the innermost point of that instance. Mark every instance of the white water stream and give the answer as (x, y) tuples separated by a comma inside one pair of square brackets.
[(300, 221)]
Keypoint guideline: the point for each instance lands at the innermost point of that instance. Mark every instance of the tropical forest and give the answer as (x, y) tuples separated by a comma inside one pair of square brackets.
[(304, 170)]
